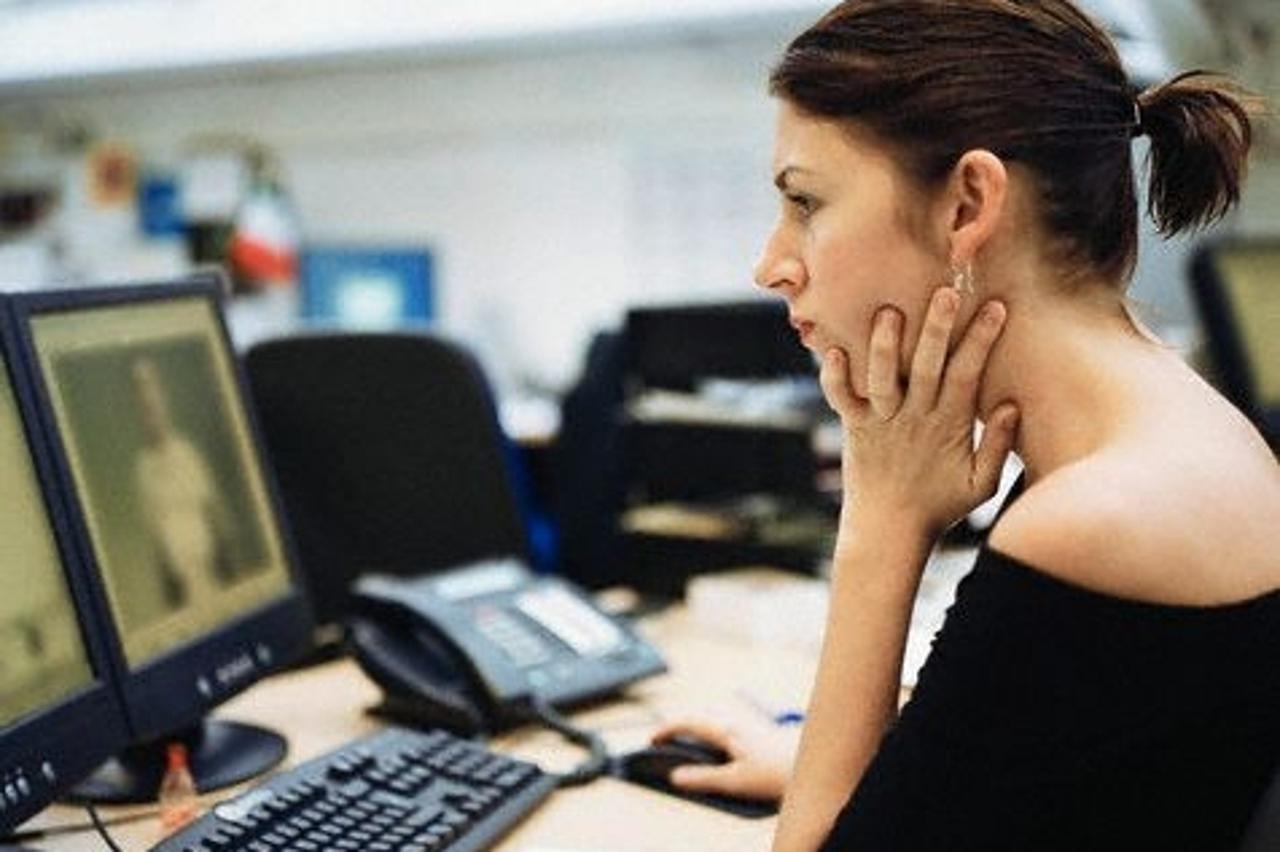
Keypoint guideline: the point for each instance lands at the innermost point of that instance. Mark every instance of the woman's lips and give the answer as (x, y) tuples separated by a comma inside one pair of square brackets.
[(804, 328)]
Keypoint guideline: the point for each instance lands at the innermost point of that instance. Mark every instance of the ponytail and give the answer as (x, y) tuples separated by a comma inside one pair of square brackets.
[(1201, 132)]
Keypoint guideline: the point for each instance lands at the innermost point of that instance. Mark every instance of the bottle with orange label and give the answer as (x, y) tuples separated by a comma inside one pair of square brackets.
[(179, 802)]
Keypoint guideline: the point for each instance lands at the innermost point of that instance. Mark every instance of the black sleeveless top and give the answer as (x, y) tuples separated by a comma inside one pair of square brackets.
[(1052, 717)]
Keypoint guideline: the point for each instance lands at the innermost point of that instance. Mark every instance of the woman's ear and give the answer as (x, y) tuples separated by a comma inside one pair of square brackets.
[(975, 202)]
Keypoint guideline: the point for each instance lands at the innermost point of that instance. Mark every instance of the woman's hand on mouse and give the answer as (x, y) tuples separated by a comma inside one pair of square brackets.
[(760, 758), (909, 456)]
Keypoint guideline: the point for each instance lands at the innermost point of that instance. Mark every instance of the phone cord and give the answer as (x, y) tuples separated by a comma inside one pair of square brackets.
[(591, 768), (102, 829)]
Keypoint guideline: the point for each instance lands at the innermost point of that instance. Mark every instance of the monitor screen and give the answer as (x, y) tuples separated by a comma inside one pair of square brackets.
[(1251, 280), (1236, 285), (370, 288), (42, 656), (182, 529)]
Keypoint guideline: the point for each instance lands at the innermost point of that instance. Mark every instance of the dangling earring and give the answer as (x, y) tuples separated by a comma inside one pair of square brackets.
[(962, 277)]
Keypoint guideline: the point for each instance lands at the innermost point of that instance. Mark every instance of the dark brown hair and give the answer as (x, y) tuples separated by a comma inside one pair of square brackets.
[(1035, 82)]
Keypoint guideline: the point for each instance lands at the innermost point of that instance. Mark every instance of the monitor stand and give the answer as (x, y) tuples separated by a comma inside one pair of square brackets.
[(220, 754)]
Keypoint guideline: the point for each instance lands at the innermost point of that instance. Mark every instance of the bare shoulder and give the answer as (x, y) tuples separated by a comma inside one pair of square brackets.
[(1153, 525)]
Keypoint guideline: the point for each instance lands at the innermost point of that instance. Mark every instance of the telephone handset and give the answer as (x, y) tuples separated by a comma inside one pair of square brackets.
[(471, 648)]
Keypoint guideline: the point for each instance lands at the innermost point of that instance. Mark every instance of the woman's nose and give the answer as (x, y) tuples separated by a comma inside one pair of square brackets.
[(778, 269)]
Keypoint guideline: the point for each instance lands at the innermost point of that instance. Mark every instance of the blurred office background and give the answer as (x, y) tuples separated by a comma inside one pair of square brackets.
[(539, 170), (560, 160)]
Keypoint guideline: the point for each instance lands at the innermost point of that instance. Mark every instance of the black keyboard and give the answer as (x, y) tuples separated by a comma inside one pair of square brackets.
[(394, 791)]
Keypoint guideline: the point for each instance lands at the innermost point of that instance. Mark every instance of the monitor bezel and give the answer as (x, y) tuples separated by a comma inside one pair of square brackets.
[(1222, 334), (178, 688), (75, 734)]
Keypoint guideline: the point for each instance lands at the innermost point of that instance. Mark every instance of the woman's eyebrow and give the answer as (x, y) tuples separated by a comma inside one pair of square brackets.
[(783, 177)]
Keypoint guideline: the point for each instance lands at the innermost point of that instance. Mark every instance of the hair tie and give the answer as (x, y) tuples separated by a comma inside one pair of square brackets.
[(1138, 129)]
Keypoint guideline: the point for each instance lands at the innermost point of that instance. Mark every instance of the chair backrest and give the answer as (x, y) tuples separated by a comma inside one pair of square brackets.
[(589, 469), (388, 454)]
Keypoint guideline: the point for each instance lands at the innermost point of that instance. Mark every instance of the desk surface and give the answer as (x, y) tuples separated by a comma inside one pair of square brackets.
[(322, 707)]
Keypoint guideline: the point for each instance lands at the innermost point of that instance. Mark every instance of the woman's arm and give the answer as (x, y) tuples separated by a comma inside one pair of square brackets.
[(855, 694), (910, 470)]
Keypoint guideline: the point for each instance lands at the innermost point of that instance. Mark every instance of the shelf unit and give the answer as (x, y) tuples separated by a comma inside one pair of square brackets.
[(720, 411)]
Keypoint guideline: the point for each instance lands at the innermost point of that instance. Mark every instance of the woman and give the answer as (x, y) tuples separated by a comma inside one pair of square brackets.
[(1107, 676)]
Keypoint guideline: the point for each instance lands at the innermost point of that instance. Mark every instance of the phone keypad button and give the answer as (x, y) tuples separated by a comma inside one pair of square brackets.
[(524, 647)]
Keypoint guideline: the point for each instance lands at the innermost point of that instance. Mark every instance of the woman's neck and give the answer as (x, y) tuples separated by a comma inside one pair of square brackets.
[(1073, 364)]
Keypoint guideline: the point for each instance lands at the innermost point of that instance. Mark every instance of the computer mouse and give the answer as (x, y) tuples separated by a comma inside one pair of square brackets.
[(652, 766), (703, 751)]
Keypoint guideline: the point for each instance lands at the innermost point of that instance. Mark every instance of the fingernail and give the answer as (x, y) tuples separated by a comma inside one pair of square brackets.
[(993, 312), (678, 775)]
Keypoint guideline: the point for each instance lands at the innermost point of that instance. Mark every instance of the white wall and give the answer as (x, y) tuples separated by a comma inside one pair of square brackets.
[(555, 188)]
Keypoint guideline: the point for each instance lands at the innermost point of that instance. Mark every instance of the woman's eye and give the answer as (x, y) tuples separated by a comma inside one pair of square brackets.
[(802, 204)]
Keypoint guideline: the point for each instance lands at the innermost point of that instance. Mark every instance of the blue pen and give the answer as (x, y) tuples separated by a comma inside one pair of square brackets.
[(789, 716)]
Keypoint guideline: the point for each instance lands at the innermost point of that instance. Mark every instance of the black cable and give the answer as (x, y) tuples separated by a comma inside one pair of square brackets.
[(34, 834), (590, 769), (102, 829)]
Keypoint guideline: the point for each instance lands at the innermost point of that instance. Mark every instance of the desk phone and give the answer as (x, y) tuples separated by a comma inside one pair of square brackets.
[(470, 648)]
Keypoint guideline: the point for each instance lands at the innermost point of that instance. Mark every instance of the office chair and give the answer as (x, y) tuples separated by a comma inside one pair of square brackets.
[(589, 469), (388, 454)]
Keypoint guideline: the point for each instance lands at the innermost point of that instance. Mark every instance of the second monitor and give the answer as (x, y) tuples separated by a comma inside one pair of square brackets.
[(59, 716), (156, 445)]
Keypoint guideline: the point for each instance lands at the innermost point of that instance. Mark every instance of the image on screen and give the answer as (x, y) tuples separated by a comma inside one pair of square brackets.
[(159, 448), (42, 655), (1251, 282)]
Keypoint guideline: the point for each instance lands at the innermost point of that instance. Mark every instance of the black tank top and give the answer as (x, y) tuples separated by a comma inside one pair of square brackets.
[(1053, 717)]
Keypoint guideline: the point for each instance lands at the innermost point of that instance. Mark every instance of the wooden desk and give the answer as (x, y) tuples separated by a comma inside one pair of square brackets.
[(318, 709)]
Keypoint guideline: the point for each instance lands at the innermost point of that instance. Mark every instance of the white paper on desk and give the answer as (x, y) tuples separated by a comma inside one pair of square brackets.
[(762, 606)]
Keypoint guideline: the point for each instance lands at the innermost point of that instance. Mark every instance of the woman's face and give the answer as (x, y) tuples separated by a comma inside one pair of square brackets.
[(842, 247)]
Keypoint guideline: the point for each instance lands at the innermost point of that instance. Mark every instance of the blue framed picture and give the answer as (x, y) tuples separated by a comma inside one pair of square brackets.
[(367, 287)]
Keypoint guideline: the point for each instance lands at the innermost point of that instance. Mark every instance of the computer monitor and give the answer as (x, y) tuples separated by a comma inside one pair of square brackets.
[(59, 716), (1237, 291), (673, 346), (144, 403), (368, 288)]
